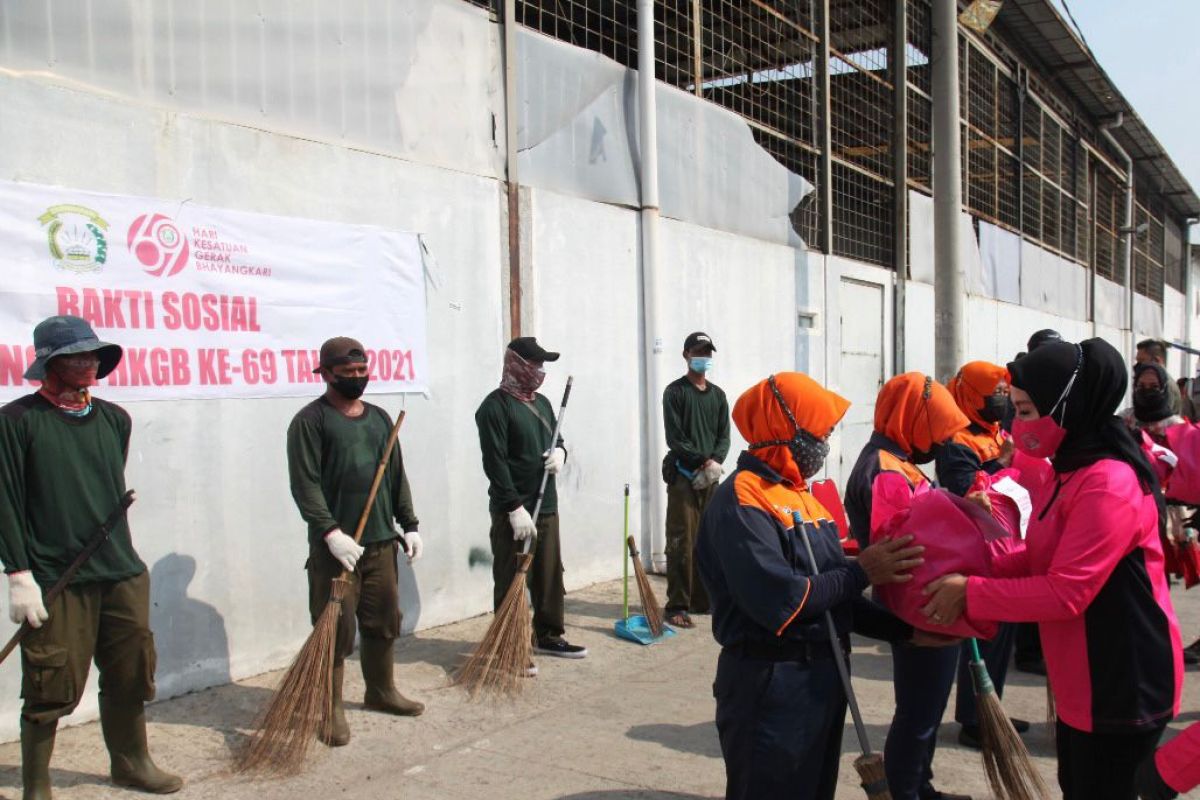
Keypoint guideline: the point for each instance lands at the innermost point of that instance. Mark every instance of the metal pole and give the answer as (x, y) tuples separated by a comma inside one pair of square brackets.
[(900, 170), (947, 191), (826, 130), (698, 47), (652, 340), (510, 161), (1127, 232), (1189, 305)]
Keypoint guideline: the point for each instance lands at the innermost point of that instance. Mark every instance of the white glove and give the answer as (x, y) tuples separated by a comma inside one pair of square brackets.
[(522, 524), (344, 549), (555, 460), (25, 600), (1164, 455), (412, 545), (714, 471), (700, 480)]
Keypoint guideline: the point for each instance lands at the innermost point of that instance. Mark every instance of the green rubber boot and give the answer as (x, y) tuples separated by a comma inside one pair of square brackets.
[(37, 745), (124, 727), (381, 694), (339, 735)]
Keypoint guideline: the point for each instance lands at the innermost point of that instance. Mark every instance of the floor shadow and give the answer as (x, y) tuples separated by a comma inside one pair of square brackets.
[(699, 739), (446, 654), (588, 608), (229, 710), (10, 778), (632, 794)]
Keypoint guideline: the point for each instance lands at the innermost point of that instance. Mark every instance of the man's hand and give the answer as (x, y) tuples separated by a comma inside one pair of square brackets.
[(947, 599), (713, 470), (25, 600), (412, 545), (889, 559), (522, 524), (555, 459), (344, 548)]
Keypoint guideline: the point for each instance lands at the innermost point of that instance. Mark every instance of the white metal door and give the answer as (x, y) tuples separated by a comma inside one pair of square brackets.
[(863, 336)]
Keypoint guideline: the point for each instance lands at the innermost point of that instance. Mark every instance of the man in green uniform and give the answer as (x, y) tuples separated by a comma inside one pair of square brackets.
[(62, 472), (515, 429), (334, 445), (696, 419)]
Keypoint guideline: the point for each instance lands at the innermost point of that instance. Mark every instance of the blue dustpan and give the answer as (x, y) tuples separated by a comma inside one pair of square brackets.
[(635, 629)]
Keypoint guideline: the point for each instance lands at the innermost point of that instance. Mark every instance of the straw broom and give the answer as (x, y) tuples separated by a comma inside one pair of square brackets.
[(301, 708), (869, 765), (1006, 763), (498, 664), (652, 611)]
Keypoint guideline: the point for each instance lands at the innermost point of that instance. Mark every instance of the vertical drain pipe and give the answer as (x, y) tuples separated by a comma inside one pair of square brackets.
[(652, 511), (948, 300), (512, 185), (1127, 232)]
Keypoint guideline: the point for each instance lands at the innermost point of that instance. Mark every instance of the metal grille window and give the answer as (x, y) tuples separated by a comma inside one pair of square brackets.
[(1107, 222)]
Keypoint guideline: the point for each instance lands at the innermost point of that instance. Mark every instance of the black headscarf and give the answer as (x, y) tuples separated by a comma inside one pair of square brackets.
[(1151, 405), (1093, 432), (1043, 337)]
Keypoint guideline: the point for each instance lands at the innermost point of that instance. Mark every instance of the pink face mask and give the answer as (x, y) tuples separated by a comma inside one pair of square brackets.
[(1041, 437)]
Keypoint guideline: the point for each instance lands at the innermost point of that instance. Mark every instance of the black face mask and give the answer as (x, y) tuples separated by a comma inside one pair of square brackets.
[(808, 452), (995, 408), (923, 456), (350, 388), (1151, 405)]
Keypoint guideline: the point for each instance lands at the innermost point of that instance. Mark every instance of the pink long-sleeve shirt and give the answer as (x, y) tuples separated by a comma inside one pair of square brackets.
[(1091, 575)]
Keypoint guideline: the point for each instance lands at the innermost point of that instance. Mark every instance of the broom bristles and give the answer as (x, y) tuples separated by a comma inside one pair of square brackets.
[(1010, 771), (299, 710), (499, 663), (874, 779), (651, 610)]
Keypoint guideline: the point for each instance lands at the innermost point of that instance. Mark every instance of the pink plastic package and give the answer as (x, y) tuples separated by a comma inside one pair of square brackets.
[(1184, 483), (958, 536)]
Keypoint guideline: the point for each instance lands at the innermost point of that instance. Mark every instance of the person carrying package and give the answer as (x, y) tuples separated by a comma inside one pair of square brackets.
[(334, 445), (62, 472), (981, 391), (515, 425), (696, 419), (1091, 573), (914, 417), (769, 606)]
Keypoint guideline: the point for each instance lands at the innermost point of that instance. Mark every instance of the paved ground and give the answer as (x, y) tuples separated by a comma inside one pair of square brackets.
[(628, 722)]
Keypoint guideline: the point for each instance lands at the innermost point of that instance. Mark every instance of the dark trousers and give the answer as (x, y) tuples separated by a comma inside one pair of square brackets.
[(108, 621), (685, 506), (996, 655), (1100, 766), (780, 725), (371, 597), (1028, 643), (922, 677), (545, 576)]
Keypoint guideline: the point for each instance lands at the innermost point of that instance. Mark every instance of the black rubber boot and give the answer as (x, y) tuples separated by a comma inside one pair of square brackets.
[(124, 727), (381, 694), (37, 745)]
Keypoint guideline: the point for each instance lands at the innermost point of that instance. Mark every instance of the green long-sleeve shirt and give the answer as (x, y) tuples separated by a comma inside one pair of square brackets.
[(513, 440), (696, 423), (332, 460), (60, 478)]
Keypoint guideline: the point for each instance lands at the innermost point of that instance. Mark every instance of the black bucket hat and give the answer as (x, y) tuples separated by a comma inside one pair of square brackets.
[(63, 336)]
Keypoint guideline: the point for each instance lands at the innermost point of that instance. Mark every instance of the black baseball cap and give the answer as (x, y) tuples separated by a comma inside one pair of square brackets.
[(341, 350), (697, 339), (528, 348)]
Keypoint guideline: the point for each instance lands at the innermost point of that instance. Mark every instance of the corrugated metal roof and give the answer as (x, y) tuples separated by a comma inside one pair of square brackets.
[(1036, 26)]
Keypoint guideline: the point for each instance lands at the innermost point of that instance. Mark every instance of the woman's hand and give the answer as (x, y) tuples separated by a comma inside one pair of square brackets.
[(889, 560), (947, 599)]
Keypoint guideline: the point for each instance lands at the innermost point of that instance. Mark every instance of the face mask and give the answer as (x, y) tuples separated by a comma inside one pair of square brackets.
[(1038, 438), (1151, 405), (994, 408), (350, 388), (809, 453), (701, 364), (539, 377)]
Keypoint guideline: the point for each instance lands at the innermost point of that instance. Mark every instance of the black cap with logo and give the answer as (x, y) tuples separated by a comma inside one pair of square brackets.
[(341, 350), (528, 348), (698, 339)]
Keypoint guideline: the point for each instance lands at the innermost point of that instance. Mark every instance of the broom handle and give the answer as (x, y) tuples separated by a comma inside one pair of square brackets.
[(835, 644), (89, 550), (624, 554), (383, 462), (537, 507)]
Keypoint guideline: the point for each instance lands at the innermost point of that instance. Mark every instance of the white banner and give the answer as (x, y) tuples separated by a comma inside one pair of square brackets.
[(206, 302)]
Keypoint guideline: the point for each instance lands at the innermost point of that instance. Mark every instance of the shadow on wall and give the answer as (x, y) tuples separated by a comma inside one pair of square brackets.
[(189, 634)]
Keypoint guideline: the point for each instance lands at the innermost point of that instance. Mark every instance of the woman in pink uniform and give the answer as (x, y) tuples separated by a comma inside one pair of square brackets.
[(1091, 574), (1173, 769)]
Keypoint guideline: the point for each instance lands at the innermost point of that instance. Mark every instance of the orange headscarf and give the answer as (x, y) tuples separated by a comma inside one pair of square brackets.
[(916, 412), (760, 418), (973, 383)]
